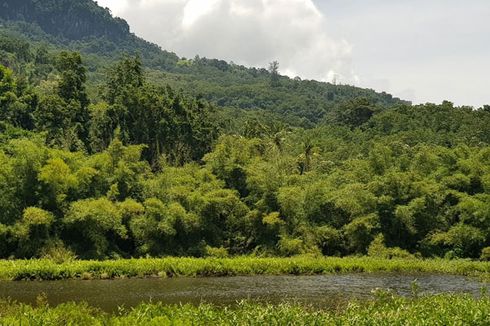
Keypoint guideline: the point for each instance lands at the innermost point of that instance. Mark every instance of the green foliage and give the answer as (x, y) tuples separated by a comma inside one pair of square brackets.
[(56, 251), (64, 113), (72, 78), (6, 81), (168, 123), (274, 71), (125, 77), (354, 113), (360, 232), (16, 104), (485, 254), (32, 231), (250, 196), (463, 240), (241, 160), (385, 309), (290, 247), (377, 248), (96, 222), (44, 269), (216, 252)]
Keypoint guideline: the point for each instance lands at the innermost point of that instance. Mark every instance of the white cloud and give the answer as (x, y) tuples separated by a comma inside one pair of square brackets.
[(424, 51), (195, 9), (249, 32), (419, 50), (115, 6)]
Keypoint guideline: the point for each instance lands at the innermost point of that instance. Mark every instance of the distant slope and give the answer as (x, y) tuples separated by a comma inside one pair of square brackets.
[(84, 26)]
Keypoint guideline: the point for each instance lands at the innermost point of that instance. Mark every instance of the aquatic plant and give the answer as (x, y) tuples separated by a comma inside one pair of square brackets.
[(386, 309), (199, 267)]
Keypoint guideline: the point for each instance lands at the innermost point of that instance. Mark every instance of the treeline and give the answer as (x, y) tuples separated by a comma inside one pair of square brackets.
[(136, 112), (292, 195)]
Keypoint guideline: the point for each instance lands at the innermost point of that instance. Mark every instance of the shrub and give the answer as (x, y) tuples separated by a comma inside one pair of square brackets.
[(290, 246), (485, 254), (216, 252), (378, 249)]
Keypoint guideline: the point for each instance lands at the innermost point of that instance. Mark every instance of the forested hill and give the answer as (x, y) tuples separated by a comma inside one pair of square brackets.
[(83, 26)]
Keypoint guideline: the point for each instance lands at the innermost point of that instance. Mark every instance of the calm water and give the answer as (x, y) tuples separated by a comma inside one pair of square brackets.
[(320, 290)]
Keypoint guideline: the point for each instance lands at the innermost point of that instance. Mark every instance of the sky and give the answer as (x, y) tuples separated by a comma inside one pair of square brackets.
[(419, 50)]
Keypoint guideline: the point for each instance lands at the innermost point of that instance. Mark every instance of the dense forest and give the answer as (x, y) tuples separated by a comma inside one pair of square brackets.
[(160, 155)]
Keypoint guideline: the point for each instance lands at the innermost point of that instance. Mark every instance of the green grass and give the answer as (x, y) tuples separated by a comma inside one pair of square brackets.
[(197, 267), (384, 310)]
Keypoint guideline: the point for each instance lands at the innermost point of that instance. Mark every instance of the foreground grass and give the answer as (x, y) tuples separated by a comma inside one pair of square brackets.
[(385, 310), (192, 267)]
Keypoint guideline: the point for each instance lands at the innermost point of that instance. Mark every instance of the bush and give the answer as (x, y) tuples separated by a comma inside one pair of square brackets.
[(378, 249), (290, 246), (57, 252), (216, 252), (485, 254)]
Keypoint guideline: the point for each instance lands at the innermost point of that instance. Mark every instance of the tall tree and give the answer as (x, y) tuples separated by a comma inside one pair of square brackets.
[(124, 77), (274, 72), (65, 115), (73, 78)]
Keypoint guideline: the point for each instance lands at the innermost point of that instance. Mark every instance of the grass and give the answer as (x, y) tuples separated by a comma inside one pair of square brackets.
[(198, 267), (386, 309)]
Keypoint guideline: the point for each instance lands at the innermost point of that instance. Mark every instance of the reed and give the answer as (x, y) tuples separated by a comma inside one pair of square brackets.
[(201, 267), (386, 309)]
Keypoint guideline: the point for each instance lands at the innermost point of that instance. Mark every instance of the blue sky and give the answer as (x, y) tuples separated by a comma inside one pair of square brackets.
[(424, 51)]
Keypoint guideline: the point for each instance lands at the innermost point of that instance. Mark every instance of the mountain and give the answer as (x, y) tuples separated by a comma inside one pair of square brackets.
[(84, 26)]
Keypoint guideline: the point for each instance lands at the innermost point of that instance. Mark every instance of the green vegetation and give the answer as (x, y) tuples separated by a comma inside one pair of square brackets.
[(192, 267), (113, 151), (386, 309), (165, 156)]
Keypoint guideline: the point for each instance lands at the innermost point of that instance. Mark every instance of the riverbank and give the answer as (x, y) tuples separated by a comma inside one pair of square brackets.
[(201, 267), (386, 309)]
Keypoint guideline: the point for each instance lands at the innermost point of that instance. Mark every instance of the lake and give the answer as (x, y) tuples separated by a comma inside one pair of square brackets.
[(327, 291)]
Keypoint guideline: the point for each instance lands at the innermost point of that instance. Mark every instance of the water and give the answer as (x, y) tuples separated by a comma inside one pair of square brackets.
[(328, 291)]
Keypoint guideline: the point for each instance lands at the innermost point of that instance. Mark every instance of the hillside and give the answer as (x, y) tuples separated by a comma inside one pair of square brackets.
[(73, 20), (83, 26), (107, 154)]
